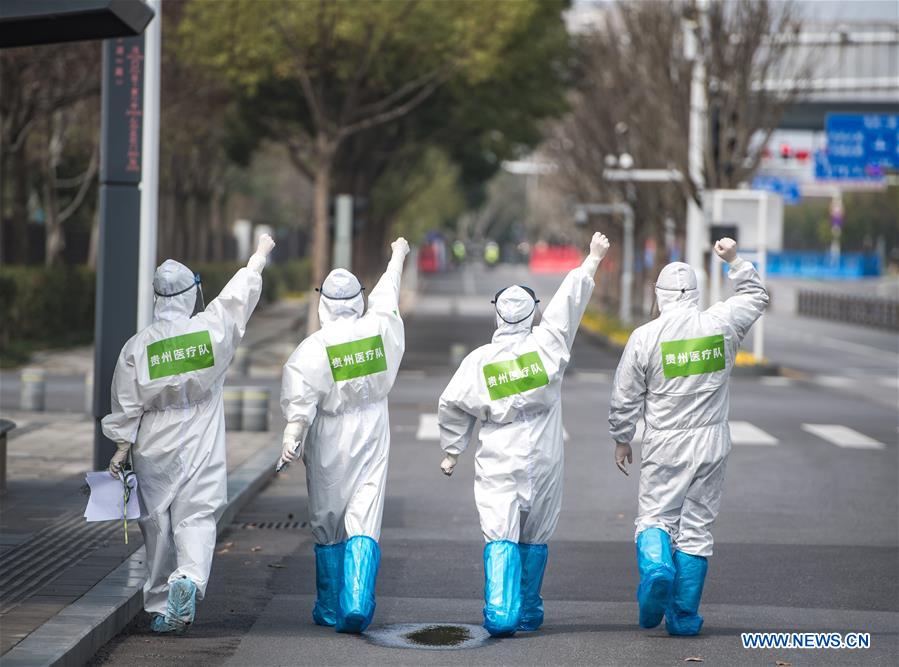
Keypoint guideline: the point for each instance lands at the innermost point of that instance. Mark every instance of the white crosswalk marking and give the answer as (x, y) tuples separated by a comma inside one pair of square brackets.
[(428, 429), (744, 433), (842, 436), (775, 381)]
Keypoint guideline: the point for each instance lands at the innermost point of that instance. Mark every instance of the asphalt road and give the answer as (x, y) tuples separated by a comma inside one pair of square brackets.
[(806, 539)]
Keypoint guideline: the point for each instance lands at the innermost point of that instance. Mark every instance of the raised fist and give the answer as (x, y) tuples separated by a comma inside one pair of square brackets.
[(265, 245), (599, 245), (726, 249), (400, 247)]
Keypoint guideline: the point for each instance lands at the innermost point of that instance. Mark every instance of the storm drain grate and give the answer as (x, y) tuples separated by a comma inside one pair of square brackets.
[(429, 636), (273, 525)]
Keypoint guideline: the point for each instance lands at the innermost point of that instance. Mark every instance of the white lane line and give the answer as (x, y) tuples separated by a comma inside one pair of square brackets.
[(744, 433), (428, 429), (592, 376), (834, 380), (892, 383), (775, 381), (842, 436)]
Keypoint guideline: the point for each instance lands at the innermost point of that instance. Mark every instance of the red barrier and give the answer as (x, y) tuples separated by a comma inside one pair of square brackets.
[(427, 259), (554, 259)]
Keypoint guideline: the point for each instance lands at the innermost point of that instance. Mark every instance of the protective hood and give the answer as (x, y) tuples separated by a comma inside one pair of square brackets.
[(515, 310), (341, 297), (173, 278), (676, 286)]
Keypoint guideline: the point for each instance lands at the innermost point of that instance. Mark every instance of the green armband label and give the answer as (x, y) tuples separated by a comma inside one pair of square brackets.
[(357, 358), (693, 356), (505, 378), (180, 354)]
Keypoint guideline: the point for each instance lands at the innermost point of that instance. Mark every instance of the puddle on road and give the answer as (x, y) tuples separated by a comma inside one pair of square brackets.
[(439, 635), (429, 636)]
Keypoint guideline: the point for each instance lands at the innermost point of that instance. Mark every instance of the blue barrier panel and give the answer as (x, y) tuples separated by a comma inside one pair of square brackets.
[(822, 265)]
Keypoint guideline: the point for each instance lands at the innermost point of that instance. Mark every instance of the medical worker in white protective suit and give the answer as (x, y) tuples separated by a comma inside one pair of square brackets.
[(334, 398), (513, 386), (673, 373), (167, 412)]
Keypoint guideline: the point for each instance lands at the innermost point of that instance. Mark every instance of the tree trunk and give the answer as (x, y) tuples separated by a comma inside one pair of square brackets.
[(321, 242), (20, 205)]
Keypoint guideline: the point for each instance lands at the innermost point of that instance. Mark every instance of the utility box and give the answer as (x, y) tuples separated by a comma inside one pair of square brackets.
[(748, 210)]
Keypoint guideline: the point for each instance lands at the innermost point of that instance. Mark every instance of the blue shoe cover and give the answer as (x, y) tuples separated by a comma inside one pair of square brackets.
[(160, 625), (657, 574), (502, 588), (182, 603), (357, 596), (682, 616), (533, 565), (328, 580)]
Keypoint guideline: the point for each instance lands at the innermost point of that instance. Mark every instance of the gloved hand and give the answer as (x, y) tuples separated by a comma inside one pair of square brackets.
[(400, 248), (599, 246), (726, 249), (263, 249), (623, 451), (448, 464), (118, 459), (292, 443)]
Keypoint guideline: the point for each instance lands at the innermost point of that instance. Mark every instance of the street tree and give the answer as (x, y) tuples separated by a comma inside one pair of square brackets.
[(358, 66), (633, 96)]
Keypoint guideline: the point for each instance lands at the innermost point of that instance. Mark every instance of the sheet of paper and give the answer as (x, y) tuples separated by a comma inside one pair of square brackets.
[(107, 497)]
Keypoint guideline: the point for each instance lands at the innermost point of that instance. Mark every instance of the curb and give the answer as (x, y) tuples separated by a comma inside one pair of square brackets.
[(75, 634)]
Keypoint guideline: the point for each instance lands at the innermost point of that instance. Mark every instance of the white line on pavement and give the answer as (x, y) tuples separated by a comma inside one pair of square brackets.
[(842, 436), (834, 380), (744, 433), (775, 381), (593, 377), (428, 429)]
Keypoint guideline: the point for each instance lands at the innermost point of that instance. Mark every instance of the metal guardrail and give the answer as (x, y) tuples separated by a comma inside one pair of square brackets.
[(870, 311)]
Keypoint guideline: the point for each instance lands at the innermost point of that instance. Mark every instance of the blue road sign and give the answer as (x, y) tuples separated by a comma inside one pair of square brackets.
[(859, 147), (787, 188)]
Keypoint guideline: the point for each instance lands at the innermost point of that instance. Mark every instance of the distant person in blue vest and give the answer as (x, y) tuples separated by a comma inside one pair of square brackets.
[(334, 398), (674, 374), (167, 413)]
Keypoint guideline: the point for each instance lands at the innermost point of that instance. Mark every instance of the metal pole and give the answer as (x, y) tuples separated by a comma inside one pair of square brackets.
[(150, 183), (343, 233), (627, 266), (696, 227), (118, 256), (758, 333), (716, 262)]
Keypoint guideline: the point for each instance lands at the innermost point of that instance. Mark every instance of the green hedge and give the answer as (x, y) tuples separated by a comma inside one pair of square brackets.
[(54, 307)]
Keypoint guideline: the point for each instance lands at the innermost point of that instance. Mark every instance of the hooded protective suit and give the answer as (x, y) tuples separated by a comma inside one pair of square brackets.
[(335, 384), (167, 400), (513, 386), (674, 373)]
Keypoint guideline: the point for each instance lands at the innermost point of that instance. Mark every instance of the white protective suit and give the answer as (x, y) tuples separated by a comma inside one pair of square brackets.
[(513, 386), (337, 381), (674, 372), (167, 400)]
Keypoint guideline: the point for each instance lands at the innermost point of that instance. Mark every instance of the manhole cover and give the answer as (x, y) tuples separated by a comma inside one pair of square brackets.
[(429, 636)]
